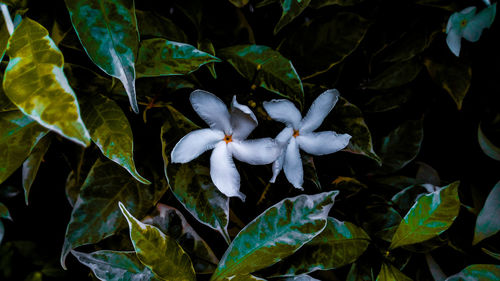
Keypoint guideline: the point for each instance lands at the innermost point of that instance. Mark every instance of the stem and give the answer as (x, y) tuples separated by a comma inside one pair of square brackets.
[(8, 19)]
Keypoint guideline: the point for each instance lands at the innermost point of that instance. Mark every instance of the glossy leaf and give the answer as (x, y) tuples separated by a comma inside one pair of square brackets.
[(340, 243), (96, 215), (487, 146), (115, 266), (157, 251), (432, 214), (291, 9), (275, 234), (18, 136), (453, 76), (191, 182), (487, 223), (151, 24), (4, 212), (390, 273), (397, 74), (31, 165), (111, 132), (477, 272), (108, 32), (172, 223), (34, 81), (266, 68), (160, 57), (316, 4), (401, 146), (321, 44)]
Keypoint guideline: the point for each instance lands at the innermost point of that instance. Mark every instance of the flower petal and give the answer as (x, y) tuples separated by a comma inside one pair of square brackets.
[(284, 136), (243, 121), (293, 164), (453, 41), (319, 109), (480, 21), (255, 152), (322, 143), (194, 144), (278, 165), (223, 172), (283, 111), (212, 110)]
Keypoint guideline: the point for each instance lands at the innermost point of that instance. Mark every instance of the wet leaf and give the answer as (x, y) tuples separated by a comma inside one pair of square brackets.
[(172, 223), (397, 74), (487, 223), (151, 24), (390, 273), (111, 132), (160, 57), (291, 10), (34, 81), (477, 272), (266, 68), (487, 146), (157, 251), (96, 215), (109, 35), (31, 165), (431, 215), (275, 234)]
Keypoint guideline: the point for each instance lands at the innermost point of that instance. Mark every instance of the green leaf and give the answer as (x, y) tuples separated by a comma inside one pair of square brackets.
[(246, 277), (111, 132), (303, 277), (160, 57), (34, 81), (390, 273), (191, 182), (316, 4), (340, 243), (452, 75), (491, 254), (157, 251), (108, 32), (394, 99), (172, 223), (487, 223), (477, 272), (486, 145), (395, 75), (31, 165), (432, 214), (451, 6), (151, 24), (310, 173), (266, 68), (275, 234), (348, 118), (18, 136), (321, 44), (2, 231), (85, 80), (4, 212), (360, 272), (239, 3), (401, 146), (5, 103), (115, 266), (291, 9), (95, 215), (4, 37), (207, 46)]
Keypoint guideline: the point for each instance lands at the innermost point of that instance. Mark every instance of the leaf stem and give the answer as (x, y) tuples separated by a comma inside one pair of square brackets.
[(8, 19)]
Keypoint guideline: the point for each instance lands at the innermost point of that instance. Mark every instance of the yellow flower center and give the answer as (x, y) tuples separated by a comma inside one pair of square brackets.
[(228, 138), (463, 23), (295, 133)]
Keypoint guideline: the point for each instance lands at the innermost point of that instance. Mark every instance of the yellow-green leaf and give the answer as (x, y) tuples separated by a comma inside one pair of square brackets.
[(34, 81), (157, 251), (390, 273), (239, 3)]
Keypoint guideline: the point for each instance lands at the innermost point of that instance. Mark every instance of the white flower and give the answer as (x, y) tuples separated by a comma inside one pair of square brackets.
[(299, 134), (226, 136)]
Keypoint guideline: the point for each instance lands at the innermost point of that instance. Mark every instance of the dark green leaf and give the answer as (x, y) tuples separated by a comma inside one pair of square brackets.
[(2, 231), (360, 272), (487, 223), (453, 76), (266, 68), (432, 214), (158, 252), (85, 80), (115, 266), (427, 174), (207, 46), (316, 4), (436, 271), (486, 145), (310, 170), (172, 223), (477, 272), (389, 101), (4, 212), (35, 82), (491, 254), (239, 3), (31, 165), (275, 234), (108, 32), (160, 57), (111, 132), (191, 182), (18, 136), (153, 25), (96, 214), (291, 9), (397, 74), (451, 6), (407, 197), (339, 244), (390, 273), (401, 146), (381, 221)]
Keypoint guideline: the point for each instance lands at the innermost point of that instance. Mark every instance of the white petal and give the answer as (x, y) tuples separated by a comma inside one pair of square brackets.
[(322, 143), (284, 136), (453, 41), (293, 165), (283, 111), (212, 110), (243, 121), (223, 172), (194, 144), (319, 110), (255, 152), (278, 165), (480, 21)]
